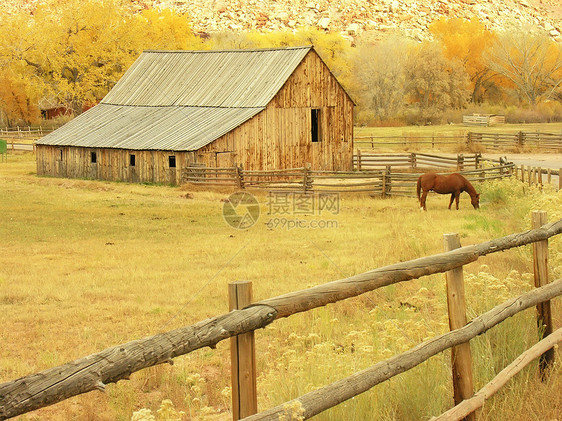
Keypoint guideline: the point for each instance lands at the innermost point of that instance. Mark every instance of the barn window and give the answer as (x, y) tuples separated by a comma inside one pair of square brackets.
[(132, 160), (315, 124), (172, 161), (93, 157)]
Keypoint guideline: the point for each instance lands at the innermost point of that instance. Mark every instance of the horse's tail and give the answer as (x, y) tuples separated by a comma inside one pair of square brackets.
[(418, 187)]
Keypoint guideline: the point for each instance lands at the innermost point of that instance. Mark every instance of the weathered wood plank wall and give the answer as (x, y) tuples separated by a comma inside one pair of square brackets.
[(112, 164), (280, 136)]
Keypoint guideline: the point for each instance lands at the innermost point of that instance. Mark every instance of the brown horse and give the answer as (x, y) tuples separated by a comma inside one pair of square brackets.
[(454, 184)]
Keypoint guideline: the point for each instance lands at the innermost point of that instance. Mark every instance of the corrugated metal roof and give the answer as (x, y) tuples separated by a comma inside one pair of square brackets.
[(148, 128), (181, 100), (206, 78)]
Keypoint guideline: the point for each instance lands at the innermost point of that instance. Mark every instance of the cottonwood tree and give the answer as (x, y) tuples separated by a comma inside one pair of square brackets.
[(15, 103), (434, 82), (78, 49), (531, 62), (467, 41), (380, 78)]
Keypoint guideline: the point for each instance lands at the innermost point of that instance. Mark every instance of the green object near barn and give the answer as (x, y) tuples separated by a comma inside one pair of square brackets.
[(4, 149)]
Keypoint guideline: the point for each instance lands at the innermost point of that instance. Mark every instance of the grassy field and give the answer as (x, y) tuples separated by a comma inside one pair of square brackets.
[(86, 265)]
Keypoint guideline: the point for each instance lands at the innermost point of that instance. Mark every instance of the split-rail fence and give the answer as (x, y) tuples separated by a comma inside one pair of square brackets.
[(538, 140), (95, 371), (378, 175), (24, 132)]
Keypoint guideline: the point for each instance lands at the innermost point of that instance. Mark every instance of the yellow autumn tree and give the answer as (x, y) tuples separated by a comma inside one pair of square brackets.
[(531, 63), (74, 51), (467, 41), (15, 103), (435, 83)]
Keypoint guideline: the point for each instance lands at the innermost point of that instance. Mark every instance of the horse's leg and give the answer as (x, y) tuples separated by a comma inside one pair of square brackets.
[(457, 194), (422, 199), (452, 198)]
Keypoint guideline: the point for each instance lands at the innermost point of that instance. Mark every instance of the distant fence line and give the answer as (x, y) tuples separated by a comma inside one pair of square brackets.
[(25, 132), (371, 179), (414, 160), (548, 141)]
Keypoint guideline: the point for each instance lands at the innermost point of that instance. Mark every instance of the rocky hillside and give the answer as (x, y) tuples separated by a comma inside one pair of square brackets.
[(353, 18), (359, 17)]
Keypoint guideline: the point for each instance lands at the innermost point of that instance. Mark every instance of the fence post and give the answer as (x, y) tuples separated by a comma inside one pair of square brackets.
[(460, 355), (388, 183), (540, 269), (358, 159), (460, 162), (243, 357), (520, 139), (539, 177), (559, 178), (307, 178), (239, 177)]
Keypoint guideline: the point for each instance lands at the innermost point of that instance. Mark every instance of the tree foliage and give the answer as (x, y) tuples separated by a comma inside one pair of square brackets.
[(532, 63), (74, 51), (467, 41), (380, 78), (434, 82), (15, 104), (70, 53)]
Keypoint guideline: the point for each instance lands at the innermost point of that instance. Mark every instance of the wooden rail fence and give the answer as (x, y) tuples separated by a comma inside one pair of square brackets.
[(95, 371), (24, 132), (414, 160), (539, 140), (534, 175), (369, 178)]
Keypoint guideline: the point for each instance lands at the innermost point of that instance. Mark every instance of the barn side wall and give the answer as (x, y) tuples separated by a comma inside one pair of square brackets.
[(281, 135), (111, 164)]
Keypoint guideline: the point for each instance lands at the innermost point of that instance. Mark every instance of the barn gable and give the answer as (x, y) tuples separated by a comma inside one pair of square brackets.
[(249, 107)]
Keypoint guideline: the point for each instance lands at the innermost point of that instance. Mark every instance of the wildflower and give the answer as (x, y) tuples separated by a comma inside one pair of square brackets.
[(143, 415)]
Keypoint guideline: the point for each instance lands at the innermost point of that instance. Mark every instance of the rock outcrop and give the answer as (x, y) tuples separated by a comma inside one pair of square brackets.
[(354, 18)]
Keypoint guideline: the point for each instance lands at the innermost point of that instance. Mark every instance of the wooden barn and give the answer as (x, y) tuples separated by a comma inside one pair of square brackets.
[(262, 109)]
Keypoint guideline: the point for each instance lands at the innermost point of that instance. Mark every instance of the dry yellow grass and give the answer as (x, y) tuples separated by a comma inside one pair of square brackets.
[(87, 264)]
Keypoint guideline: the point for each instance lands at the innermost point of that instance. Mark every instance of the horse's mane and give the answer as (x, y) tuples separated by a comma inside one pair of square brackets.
[(470, 188)]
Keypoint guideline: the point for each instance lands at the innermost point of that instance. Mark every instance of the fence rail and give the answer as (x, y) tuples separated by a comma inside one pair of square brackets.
[(539, 140), (414, 160), (95, 371), (369, 179), (24, 132)]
